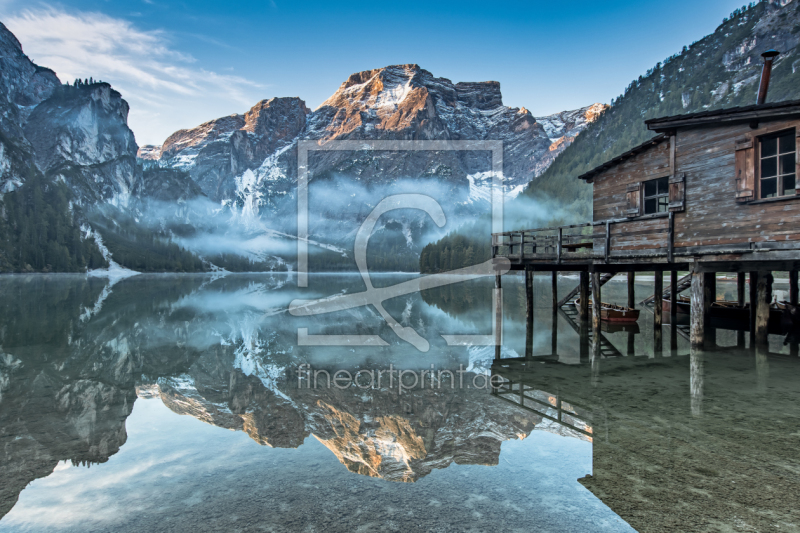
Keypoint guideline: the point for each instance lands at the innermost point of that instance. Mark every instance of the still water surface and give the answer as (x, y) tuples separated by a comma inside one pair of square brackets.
[(173, 403)]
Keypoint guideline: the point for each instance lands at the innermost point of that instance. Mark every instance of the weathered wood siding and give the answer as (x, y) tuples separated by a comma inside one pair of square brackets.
[(712, 216)]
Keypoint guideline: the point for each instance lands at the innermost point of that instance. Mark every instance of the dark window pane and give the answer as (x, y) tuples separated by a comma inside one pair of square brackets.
[(663, 186), (650, 206), (769, 188), (788, 185), (650, 188), (769, 147), (769, 167), (663, 204), (787, 163), (787, 143)]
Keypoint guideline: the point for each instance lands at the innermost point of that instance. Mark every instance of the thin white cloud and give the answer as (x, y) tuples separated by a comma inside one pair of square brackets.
[(166, 88)]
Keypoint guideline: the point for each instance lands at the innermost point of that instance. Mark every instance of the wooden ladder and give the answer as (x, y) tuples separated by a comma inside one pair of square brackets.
[(604, 278), (684, 283)]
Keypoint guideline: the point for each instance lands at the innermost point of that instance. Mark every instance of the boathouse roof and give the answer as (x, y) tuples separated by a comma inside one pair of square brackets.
[(665, 125)]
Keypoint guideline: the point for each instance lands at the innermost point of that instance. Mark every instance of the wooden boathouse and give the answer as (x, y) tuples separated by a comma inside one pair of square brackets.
[(711, 192)]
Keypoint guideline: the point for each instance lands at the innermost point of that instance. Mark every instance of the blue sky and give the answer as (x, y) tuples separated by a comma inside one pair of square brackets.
[(180, 63)]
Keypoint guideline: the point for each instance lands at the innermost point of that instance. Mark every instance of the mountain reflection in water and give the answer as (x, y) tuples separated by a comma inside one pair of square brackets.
[(87, 369)]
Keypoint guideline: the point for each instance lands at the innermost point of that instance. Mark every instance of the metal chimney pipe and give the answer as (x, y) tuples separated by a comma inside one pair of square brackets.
[(766, 72)]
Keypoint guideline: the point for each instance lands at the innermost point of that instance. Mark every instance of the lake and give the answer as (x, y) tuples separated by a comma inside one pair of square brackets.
[(198, 402)]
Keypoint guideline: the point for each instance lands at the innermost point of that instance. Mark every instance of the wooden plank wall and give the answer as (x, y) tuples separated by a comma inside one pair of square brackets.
[(712, 215)]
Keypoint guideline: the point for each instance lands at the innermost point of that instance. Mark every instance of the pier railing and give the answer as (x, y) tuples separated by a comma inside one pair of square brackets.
[(650, 237)]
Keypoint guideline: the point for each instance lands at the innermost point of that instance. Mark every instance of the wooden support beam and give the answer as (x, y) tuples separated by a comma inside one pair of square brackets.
[(793, 287), (763, 299), (554, 285), (583, 334), (753, 297), (699, 305), (658, 307), (554, 334), (583, 308), (673, 296), (596, 304), (631, 289), (740, 289), (528, 312), (498, 316), (710, 289)]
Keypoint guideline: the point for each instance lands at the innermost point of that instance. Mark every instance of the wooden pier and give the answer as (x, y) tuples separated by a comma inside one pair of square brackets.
[(712, 192)]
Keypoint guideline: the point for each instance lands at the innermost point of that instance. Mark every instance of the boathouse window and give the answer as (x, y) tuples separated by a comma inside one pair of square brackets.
[(778, 165), (656, 196)]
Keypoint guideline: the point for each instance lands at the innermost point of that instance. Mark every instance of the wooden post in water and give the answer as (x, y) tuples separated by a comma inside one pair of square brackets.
[(554, 334), (658, 290), (673, 296), (555, 290), (658, 311), (753, 297), (631, 289), (528, 312), (583, 308), (793, 287), (596, 304), (763, 299), (741, 295), (498, 316), (699, 305), (710, 287)]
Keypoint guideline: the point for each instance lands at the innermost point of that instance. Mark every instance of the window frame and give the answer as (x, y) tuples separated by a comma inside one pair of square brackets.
[(644, 197), (792, 133)]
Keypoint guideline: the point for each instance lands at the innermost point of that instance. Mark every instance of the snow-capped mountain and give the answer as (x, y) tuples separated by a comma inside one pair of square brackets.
[(251, 159)]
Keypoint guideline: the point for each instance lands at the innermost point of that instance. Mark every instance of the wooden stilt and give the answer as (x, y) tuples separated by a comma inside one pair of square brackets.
[(631, 343), (710, 289), (658, 312), (554, 334), (555, 290), (658, 290), (673, 296), (741, 294), (763, 299), (753, 298), (498, 317), (583, 310), (631, 289), (596, 304), (584, 339), (793, 287), (696, 379), (699, 305), (529, 312)]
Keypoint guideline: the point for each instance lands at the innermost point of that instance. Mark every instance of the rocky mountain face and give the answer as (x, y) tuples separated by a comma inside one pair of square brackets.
[(81, 136), (78, 134), (251, 158)]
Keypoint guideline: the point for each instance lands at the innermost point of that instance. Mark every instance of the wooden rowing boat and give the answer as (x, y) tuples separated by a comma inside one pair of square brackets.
[(614, 313)]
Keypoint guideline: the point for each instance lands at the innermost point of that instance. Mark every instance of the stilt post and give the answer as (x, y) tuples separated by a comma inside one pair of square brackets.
[(583, 308), (631, 289), (673, 296), (699, 305), (753, 297), (763, 299), (554, 285), (596, 303), (528, 312), (658, 308), (498, 316), (741, 295)]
